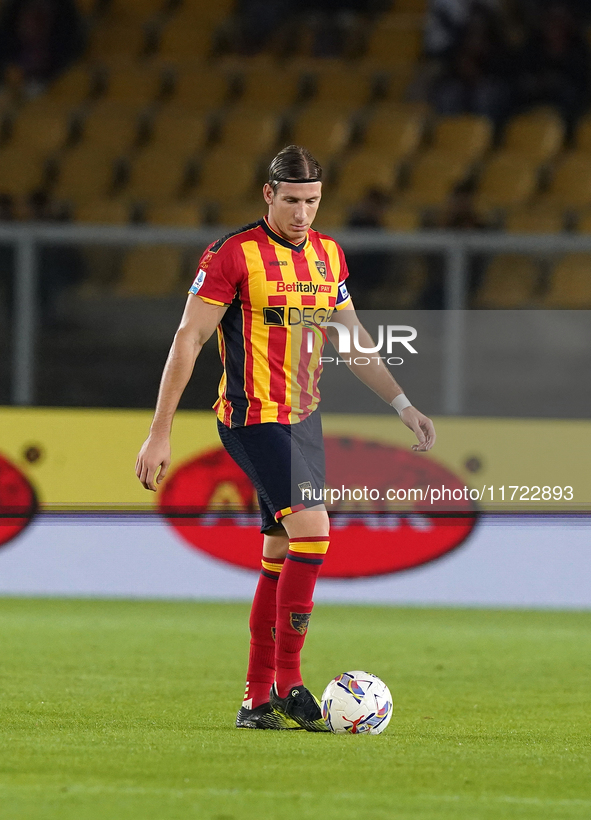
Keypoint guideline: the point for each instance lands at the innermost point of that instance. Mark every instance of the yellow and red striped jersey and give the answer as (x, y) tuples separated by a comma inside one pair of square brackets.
[(269, 340)]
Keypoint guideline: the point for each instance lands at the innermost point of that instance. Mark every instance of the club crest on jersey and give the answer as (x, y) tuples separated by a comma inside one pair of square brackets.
[(199, 280), (299, 621), (321, 268)]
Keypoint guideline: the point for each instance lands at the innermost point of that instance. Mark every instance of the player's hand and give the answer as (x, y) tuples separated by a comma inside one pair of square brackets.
[(155, 453), (421, 426)]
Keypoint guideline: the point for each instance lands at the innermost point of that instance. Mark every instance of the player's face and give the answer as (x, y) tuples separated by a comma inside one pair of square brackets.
[(292, 208)]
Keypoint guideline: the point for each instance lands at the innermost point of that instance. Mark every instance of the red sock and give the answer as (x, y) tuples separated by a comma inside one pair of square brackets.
[(261, 661), (294, 607)]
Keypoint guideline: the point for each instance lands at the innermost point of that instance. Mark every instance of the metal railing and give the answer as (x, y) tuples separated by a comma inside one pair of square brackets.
[(455, 246)]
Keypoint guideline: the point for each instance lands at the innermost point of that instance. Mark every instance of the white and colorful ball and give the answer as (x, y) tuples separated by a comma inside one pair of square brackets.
[(357, 703)]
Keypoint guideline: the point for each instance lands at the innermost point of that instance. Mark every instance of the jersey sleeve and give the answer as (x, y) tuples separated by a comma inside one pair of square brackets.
[(343, 297), (218, 276)]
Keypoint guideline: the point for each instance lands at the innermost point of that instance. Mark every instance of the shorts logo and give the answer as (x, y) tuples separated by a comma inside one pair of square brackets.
[(305, 485), (199, 280), (299, 621), (321, 268), (274, 316)]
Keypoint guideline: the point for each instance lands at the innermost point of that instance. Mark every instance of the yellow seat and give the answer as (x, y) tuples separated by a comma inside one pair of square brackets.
[(111, 126), (583, 135), (21, 171), (71, 89), (85, 174), (157, 175), (395, 41), (178, 131), (363, 171), (134, 10), (40, 130), (150, 271), (570, 187), (270, 87), (238, 214), (133, 85), (176, 214), (225, 175), (332, 215), (199, 88), (397, 81), (102, 212), (322, 131), (431, 179), (507, 181), (570, 283), (510, 281), (538, 136), (466, 136), (183, 41), (251, 132), (112, 39), (394, 133), (534, 219), (584, 222), (399, 218), (341, 87)]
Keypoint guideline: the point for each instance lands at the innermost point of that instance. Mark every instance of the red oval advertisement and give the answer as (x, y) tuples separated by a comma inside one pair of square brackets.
[(212, 505), (18, 503)]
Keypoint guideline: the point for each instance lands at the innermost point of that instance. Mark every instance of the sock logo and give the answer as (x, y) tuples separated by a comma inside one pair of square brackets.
[(299, 621)]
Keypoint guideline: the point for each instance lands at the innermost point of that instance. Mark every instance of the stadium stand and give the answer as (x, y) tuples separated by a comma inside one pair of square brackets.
[(150, 271), (570, 283), (510, 281)]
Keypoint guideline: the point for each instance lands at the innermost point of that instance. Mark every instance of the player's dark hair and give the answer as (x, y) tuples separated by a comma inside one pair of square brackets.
[(294, 164)]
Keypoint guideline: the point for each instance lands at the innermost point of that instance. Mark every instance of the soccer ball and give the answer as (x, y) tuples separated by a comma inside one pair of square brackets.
[(357, 703)]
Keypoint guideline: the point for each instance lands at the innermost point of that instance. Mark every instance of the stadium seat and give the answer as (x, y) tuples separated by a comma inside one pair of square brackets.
[(249, 131), (150, 271), (583, 135), (270, 87), (570, 283), (111, 126), (184, 41), (199, 88), (85, 173), (466, 136), (157, 175), (112, 40), (396, 83), (398, 218), (237, 214), (176, 214), (362, 171), (102, 212), (344, 88), (395, 41), (535, 219), (324, 132), (570, 186), (510, 281), (394, 133), (39, 129), (72, 88), (506, 182), (137, 11), (584, 222), (177, 131), (134, 85), (538, 135), (20, 171), (225, 175), (432, 177), (403, 290)]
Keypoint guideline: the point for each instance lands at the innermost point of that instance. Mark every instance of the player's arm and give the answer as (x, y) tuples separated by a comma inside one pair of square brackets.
[(199, 321), (377, 377)]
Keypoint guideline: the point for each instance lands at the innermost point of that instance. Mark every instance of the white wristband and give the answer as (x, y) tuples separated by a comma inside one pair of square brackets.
[(400, 403)]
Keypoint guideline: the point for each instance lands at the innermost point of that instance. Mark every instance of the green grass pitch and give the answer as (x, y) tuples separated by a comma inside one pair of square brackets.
[(114, 710)]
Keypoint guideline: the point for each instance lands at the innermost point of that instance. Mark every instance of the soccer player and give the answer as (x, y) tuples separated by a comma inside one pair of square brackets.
[(269, 288)]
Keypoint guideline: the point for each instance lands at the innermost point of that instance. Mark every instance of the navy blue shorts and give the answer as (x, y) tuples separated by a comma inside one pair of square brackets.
[(285, 463)]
